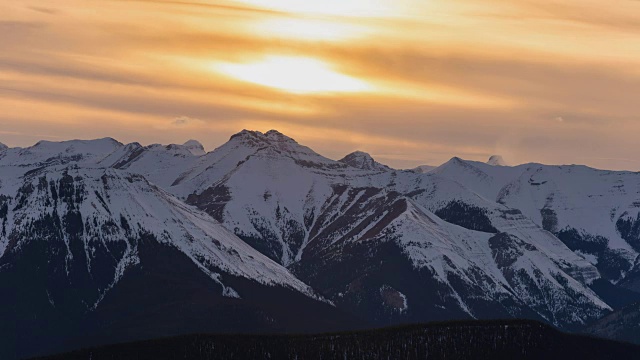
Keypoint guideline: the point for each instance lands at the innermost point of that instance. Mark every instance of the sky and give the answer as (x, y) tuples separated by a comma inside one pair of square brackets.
[(411, 82)]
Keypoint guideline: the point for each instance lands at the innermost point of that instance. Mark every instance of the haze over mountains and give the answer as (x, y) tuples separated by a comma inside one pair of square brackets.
[(264, 234)]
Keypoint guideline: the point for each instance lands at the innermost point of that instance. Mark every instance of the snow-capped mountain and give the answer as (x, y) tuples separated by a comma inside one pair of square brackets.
[(47, 153), (93, 254), (594, 212), (363, 161), (423, 169), (308, 212), (97, 208), (195, 147), (3, 147), (263, 214)]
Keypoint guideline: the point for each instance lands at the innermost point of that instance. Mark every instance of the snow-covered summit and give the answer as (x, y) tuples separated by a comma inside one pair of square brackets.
[(362, 160), (92, 146), (423, 169), (64, 152), (274, 143), (195, 147), (272, 138), (3, 147), (458, 165), (276, 135), (497, 160)]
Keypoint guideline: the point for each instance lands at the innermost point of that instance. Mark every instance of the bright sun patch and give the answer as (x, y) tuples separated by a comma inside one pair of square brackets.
[(293, 74), (328, 7), (310, 29)]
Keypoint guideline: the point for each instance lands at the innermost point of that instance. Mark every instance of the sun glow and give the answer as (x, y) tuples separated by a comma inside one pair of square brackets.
[(328, 7), (293, 74), (310, 29)]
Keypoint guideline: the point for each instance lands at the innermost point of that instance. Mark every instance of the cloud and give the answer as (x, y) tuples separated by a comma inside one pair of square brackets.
[(185, 121), (466, 78), (44, 10), (209, 5)]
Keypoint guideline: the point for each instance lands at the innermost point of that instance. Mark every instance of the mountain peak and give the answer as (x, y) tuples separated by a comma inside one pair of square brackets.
[(361, 153), (454, 164), (271, 137), (364, 161), (274, 143), (45, 149), (423, 169), (456, 160), (107, 142), (276, 135), (496, 160), (3, 147), (195, 147), (244, 134)]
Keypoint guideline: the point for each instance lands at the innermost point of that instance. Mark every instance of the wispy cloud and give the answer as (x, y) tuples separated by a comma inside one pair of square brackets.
[(44, 10), (535, 81)]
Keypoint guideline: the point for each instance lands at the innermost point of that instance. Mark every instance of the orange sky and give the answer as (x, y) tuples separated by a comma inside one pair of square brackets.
[(410, 81)]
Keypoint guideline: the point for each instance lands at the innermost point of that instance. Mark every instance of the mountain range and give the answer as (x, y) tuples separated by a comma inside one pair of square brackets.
[(104, 242)]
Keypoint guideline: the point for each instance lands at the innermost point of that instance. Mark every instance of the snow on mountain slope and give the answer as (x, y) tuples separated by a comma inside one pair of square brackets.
[(300, 214), (514, 265), (3, 147), (494, 240), (241, 147), (423, 169), (456, 204), (483, 179), (580, 196), (269, 189), (99, 208), (160, 164), (266, 198), (272, 196), (363, 161), (476, 274), (49, 153), (593, 211), (92, 255), (18, 162)]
